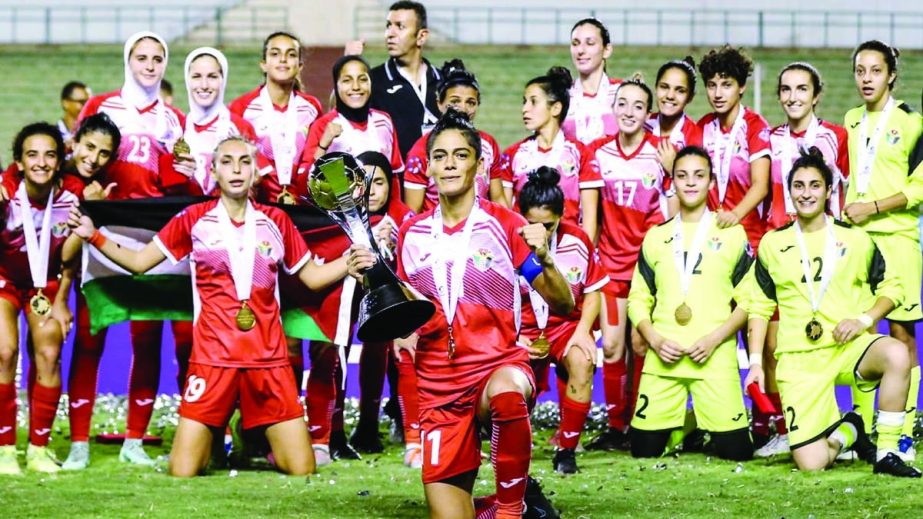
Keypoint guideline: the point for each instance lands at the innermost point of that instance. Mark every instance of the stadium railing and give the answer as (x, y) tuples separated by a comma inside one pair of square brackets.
[(663, 27)]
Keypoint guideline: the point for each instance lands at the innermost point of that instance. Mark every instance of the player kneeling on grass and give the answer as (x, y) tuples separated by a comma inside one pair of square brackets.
[(239, 354), (689, 275), (831, 286)]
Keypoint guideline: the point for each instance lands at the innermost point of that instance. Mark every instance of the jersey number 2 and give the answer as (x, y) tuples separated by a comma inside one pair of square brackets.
[(140, 149), (820, 267)]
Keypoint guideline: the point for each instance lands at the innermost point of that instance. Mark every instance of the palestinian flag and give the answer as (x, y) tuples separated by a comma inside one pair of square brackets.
[(163, 293)]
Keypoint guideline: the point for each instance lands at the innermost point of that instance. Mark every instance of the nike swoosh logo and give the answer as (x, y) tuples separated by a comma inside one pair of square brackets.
[(145, 402), (786, 249), (511, 483), (394, 89), (571, 434), (79, 403), (42, 432)]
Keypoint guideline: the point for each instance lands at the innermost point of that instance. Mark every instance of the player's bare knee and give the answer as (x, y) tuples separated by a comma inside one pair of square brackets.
[(9, 353), (895, 356), (506, 380), (812, 457), (47, 356)]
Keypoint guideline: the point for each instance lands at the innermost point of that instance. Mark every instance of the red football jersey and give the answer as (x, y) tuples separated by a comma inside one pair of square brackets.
[(831, 140), (686, 134), (217, 341), (569, 157), (633, 200), (485, 324), (752, 143), (148, 135), (376, 134), (591, 116), (417, 162), (576, 258)]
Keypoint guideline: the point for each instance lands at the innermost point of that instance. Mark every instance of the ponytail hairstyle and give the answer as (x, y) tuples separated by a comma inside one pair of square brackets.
[(603, 32), (807, 67), (813, 158), (556, 84), (298, 85), (726, 62), (453, 74), (694, 151), (542, 191), (637, 79), (686, 66), (891, 54), (452, 119)]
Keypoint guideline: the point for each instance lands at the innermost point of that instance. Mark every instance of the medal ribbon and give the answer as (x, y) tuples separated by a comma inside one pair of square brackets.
[(201, 146), (241, 249), (449, 294), (724, 151), (37, 247), (789, 149), (539, 306), (282, 135), (677, 137), (685, 263), (830, 259), (868, 148)]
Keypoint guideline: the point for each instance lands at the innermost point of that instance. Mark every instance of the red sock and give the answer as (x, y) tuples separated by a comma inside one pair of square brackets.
[(637, 366), (84, 372), (614, 382), (373, 364), (321, 392), (778, 419), (182, 336), (7, 414), (41, 413), (510, 450), (144, 377), (573, 418), (485, 507), (408, 399), (297, 364)]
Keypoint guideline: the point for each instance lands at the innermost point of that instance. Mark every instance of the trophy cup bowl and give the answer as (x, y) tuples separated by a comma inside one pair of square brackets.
[(389, 309)]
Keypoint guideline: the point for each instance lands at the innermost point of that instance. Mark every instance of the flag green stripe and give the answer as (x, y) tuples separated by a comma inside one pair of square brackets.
[(116, 299), (300, 325)]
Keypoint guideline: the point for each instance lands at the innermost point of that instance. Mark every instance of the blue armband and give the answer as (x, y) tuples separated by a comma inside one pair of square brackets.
[(531, 268)]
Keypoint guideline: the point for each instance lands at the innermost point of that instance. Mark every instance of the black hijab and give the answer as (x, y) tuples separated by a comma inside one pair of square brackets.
[(356, 115)]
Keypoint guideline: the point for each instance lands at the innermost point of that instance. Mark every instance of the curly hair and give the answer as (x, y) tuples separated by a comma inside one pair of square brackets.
[(726, 62)]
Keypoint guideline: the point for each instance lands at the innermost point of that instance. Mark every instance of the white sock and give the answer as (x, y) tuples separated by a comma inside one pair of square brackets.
[(132, 442)]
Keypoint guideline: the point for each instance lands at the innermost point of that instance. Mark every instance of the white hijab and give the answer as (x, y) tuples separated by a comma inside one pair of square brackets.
[(133, 93), (200, 114)]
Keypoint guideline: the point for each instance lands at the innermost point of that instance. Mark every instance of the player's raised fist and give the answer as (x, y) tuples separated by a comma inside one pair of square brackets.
[(536, 238)]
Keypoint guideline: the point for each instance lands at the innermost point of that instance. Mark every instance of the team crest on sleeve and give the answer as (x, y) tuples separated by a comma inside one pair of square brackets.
[(415, 165), (482, 259), (568, 166), (894, 137), (265, 249), (574, 275), (715, 244)]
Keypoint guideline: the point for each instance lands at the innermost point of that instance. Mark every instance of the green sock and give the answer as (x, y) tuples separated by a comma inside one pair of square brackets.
[(845, 433), (889, 425), (864, 404), (911, 406)]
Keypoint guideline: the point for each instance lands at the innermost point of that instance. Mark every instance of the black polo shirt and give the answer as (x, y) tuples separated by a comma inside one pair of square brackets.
[(393, 94)]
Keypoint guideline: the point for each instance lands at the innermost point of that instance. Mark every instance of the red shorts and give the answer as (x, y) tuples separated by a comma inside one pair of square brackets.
[(450, 433), (267, 395), (20, 298), (613, 290)]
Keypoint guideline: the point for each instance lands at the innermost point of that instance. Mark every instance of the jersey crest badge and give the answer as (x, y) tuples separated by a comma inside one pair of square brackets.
[(574, 275), (568, 166), (841, 248), (59, 229), (714, 244), (894, 137), (265, 249), (482, 259), (649, 180)]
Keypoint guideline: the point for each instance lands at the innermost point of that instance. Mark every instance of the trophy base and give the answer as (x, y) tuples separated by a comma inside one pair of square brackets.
[(390, 312)]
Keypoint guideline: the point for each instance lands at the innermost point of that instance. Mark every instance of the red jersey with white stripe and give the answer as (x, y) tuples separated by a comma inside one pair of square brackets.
[(375, 134), (204, 138), (268, 118), (148, 135), (485, 324), (831, 140), (217, 341), (632, 200), (576, 258), (416, 178), (684, 133), (590, 116), (568, 156), (14, 260), (752, 143)]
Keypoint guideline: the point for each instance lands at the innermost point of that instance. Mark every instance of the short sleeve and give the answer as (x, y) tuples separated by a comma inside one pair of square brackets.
[(415, 174), (758, 137), (493, 169), (310, 147), (842, 151), (505, 165), (596, 277), (397, 163), (175, 239), (590, 178), (296, 250)]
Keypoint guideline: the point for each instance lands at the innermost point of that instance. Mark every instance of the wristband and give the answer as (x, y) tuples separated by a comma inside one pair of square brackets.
[(866, 319), (97, 239), (531, 268), (756, 359)]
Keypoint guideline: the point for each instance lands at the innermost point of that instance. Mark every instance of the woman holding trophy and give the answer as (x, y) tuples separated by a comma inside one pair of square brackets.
[(470, 369)]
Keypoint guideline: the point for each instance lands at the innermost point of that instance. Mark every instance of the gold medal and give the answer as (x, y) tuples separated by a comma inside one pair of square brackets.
[(246, 319), (542, 346), (683, 314), (814, 330), (40, 304), (285, 198), (181, 147), (451, 351)]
